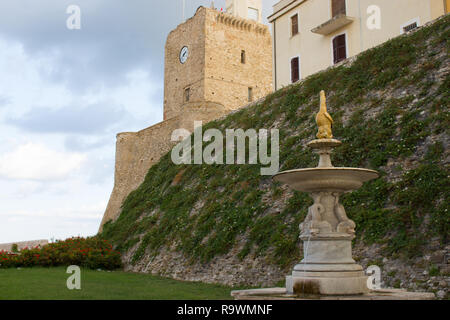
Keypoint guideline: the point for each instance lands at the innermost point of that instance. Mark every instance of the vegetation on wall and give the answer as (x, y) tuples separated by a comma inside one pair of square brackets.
[(390, 108)]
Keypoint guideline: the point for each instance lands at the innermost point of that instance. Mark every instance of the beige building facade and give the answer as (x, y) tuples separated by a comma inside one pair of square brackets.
[(247, 9), (311, 35), (215, 63)]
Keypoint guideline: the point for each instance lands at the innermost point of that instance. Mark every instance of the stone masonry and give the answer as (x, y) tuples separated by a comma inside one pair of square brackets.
[(229, 65)]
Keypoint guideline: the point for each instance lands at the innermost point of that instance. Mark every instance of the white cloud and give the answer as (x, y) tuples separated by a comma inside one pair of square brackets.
[(92, 211), (33, 161)]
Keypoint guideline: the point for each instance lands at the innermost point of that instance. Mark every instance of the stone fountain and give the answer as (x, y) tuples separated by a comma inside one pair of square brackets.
[(327, 233), (327, 270)]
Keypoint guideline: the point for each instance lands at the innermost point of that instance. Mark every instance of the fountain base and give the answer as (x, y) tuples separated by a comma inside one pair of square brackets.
[(380, 294), (328, 268), (327, 284)]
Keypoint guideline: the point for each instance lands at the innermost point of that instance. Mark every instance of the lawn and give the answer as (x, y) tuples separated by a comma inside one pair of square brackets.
[(50, 284)]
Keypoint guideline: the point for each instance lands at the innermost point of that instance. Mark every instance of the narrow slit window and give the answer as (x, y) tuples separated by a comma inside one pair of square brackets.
[(187, 94), (243, 57), (294, 25), (250, 94), (295, 69)]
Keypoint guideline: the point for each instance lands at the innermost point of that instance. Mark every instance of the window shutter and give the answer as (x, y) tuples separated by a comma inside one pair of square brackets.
[(294, 24), (338, 7), (295, 70), (339, 48)]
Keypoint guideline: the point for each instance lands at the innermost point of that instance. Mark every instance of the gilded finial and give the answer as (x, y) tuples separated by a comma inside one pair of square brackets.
[(323, 119)]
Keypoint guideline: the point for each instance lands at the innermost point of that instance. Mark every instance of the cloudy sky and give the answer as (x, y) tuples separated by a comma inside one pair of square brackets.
[(64, 95)]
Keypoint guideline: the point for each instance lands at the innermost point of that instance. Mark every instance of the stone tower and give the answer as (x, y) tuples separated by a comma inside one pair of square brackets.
[(216, 57), (215, 62)]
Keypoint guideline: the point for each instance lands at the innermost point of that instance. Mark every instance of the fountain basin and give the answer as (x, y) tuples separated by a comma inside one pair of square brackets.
[(326, 179)]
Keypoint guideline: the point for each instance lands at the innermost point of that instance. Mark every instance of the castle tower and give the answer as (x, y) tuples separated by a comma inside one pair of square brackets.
[(217, 57), (214, 63)]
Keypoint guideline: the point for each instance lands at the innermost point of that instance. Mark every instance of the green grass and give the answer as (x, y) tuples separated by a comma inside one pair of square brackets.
[(50, 284)]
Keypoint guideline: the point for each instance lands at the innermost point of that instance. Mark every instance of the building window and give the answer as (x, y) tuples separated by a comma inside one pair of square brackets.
[(243, 57), (294, 25), (295, 69), (187, 94), (250, 94), (338, 7), (339, 48), (410, 27), (253, 14)]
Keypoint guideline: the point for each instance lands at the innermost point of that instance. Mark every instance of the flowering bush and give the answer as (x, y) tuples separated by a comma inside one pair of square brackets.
[(85, 252)]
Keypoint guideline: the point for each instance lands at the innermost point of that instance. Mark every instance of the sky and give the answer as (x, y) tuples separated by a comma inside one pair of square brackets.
[(65, 94)]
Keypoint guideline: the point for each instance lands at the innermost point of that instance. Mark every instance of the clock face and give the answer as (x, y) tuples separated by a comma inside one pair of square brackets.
[(184, 54)]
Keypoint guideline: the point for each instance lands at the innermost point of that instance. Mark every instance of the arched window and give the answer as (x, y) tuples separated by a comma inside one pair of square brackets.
[(187, 94), (250, 94)]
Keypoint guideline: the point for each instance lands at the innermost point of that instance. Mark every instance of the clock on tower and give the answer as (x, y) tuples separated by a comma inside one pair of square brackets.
[(184, 54)]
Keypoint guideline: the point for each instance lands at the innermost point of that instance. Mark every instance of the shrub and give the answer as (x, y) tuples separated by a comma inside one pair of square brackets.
[(84, 252), (14, 248)]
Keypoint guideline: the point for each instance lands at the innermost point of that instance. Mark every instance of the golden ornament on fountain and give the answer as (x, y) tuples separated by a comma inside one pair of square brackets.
[(324, 120)]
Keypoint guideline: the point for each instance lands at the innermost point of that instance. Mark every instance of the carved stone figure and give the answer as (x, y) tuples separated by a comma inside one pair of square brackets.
[(314, 223), (345, 224), (324, 120)]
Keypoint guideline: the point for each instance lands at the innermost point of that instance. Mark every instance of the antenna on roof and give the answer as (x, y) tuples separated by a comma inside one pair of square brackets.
[(184, 10)]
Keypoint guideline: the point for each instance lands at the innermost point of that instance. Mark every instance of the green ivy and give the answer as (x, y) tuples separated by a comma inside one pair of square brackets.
[(376, 128)]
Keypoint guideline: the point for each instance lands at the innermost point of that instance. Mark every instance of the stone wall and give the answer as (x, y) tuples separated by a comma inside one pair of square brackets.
[(23, 244), (136, 152)]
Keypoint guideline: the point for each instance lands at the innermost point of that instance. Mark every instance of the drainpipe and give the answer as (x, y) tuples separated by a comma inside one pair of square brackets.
[(361, 44)]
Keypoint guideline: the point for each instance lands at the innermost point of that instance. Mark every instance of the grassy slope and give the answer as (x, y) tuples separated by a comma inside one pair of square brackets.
[(389, 108), (50, 283)]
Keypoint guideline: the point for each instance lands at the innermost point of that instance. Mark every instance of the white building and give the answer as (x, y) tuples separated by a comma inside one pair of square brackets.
[(311, 35)]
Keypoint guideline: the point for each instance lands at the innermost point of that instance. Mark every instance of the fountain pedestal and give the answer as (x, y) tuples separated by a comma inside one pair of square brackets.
[(327, 269), (327, 233)]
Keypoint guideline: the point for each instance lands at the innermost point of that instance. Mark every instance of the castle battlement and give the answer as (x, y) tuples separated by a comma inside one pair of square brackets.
[(241, 24)]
